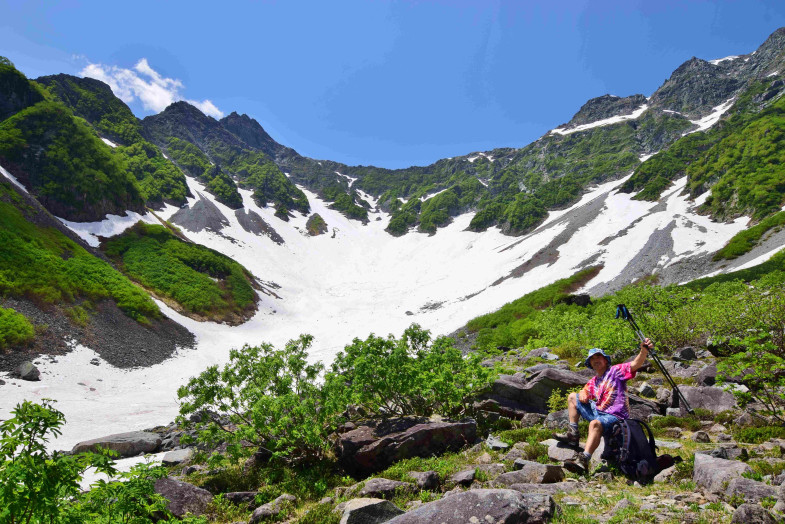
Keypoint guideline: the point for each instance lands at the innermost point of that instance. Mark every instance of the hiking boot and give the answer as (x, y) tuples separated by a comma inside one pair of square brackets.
[(571, 437), (577, 464)]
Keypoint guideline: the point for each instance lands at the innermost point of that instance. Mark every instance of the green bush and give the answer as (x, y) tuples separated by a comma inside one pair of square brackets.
[(200, 279), (45, 265), (264, 397), (406, 376), (14, 328), (758, 435)]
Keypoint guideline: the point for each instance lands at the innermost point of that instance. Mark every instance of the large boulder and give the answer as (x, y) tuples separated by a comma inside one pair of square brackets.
[(177, 456), (373, 447), (368, 511), (528, 472), (482, 505), (183, 497), (27, 371), (547, 489), (714, 399), (707, 376), (272, 509), (752, 514), (128, 444), (713, 474), (750, 490), (380, 488), (535, 390), (642, 408)]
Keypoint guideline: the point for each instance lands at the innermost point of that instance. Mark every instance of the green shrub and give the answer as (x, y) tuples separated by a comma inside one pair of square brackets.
[(407, 376), (263, 397), (200, 279), (14, 328), (758, 435), (46, 266)]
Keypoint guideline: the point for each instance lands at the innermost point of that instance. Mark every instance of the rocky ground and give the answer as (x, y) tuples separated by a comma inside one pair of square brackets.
[(502, 466), (118, 339)]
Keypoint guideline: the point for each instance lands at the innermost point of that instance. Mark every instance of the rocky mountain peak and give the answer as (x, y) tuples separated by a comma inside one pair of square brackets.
[(606, 106), (252, 133)]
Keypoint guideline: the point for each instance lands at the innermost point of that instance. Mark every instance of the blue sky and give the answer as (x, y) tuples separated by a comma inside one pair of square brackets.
[(391, 84)]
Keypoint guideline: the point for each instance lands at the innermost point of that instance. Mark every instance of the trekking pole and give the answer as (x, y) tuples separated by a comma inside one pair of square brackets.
[(624, 313)]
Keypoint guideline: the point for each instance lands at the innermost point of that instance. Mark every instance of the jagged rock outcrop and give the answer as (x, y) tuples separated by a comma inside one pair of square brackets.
[(373, 447)]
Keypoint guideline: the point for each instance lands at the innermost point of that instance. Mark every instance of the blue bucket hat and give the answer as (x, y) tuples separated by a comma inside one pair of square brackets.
[(594, 351)]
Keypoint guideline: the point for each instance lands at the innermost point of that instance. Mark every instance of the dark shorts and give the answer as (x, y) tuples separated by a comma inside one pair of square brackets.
[(589, 412)]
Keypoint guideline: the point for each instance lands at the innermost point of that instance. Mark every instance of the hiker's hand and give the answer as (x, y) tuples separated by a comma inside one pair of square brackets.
[(647, 344), (583, 397)]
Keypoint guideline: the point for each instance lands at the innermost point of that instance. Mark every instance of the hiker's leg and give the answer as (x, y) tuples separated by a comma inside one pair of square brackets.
[(572, 408), (595, 434)]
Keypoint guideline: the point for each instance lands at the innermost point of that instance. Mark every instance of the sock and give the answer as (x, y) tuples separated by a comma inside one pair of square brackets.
[(574, 426)]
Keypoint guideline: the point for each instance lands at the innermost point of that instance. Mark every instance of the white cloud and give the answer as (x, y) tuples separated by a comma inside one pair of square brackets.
[(144, 83)]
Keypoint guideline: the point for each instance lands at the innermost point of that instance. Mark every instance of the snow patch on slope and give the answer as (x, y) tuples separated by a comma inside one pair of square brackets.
[(712, 118), (112, 225), (13, 179), (109, 142), (717, 61), (600, 123)]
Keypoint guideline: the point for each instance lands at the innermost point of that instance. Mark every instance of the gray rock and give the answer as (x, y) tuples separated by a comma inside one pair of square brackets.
[(528, 472), (463, 478), (496, 444), (700, 436), (547, 489), (707, 376), (667, 444), (642, 408), (491, 471), (685, 353), (379, 488), (665, 475), (714, 399), (558, 419), (752, 514), (663, 395), (27, 371), (428, 480), (371, 448), (518, 451), (482, 505), (560, 452), (128, 444), (183, 497), (535, 391), (712, 473), (369, 511), (645, 390), (177, 456), (242, 498), (622, 505), (750, 490), (673, 412), (272, 509)]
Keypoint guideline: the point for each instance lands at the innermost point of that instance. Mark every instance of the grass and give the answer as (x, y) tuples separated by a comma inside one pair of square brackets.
[(42, 264), (201, 280), (743, 241), (15, 329)]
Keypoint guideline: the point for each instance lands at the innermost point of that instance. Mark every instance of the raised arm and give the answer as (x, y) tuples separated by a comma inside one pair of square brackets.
[(640, 359)]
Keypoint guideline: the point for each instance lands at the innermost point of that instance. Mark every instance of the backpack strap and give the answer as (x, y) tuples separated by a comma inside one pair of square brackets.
[(652, 443)]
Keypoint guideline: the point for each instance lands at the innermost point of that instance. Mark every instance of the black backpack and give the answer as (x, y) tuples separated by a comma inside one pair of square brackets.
[(630, 445)]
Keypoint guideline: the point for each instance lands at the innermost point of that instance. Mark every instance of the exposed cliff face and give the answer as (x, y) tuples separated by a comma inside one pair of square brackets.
[(606, 106)]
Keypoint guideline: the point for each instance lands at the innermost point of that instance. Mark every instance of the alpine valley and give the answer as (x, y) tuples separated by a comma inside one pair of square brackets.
[(135, 253)]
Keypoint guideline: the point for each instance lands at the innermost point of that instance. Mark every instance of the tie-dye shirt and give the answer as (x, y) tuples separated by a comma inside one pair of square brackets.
[(610, 390)]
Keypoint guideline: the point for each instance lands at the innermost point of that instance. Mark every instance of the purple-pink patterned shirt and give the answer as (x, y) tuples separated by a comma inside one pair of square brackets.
[(610, 390)]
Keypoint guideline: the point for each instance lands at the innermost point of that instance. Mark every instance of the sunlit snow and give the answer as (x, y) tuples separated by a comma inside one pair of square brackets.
[(108, 142), (600, 123), (13, 179), (720, 60), (355, 280), (712, 118)]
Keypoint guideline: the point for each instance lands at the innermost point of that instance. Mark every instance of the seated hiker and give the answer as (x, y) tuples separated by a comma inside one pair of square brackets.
[(602, 401)]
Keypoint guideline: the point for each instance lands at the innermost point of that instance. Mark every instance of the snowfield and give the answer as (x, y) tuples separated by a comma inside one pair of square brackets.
[(357, 279)]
